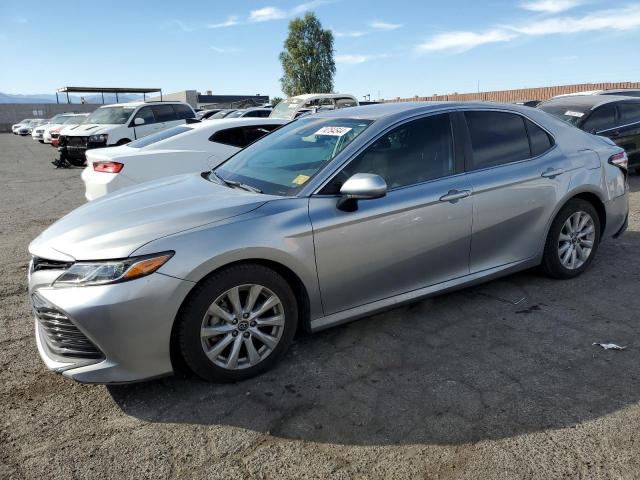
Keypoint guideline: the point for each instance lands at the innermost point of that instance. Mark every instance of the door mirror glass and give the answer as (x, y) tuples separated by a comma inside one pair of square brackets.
[(361, 186), (138, 121)]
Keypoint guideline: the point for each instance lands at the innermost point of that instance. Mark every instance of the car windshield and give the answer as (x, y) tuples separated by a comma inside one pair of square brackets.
[(286, 109), (236, 114), (283, 161), (221, 114), (568, 113), (77, 120), (110, 115), (156, 137)]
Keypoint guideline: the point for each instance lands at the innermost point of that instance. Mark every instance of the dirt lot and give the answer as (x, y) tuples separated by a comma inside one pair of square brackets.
[(466, 385)]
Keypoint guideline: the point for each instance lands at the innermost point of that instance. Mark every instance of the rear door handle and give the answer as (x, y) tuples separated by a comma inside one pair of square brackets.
[(552, 172), (454, 195)]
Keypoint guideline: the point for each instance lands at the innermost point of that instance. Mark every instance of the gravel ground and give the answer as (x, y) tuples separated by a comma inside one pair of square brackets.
[(466, 385)]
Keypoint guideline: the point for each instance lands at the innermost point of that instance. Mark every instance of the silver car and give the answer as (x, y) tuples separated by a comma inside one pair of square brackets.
[(330, 218)]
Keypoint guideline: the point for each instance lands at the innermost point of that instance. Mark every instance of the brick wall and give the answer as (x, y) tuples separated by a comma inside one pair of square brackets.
[(505, 96)]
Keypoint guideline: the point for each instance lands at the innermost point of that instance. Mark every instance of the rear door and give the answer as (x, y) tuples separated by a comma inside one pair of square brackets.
[(627, 132), (517, 175), (166, 116)]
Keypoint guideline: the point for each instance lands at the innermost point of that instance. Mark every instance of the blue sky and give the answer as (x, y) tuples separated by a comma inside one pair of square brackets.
[(399, 48)]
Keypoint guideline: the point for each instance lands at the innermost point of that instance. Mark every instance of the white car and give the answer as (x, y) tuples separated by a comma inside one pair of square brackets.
[(54, 122), (17, 126), (122, 123), (293, 107), (183, 149)]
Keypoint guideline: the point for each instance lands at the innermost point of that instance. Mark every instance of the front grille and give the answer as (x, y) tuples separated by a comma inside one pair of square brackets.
[(60, 334), (38, 263), (54, 135), (77, 141)]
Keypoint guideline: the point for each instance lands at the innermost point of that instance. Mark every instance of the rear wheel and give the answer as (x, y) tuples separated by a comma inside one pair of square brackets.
[(237, 323), (572, 241), (76, 162)]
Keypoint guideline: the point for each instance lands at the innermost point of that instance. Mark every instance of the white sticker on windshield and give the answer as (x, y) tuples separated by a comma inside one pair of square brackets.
[(333, 131), (571, 113)]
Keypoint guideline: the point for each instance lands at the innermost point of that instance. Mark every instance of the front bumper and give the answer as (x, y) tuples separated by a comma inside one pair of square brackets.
[(76, 147), (129, 324)]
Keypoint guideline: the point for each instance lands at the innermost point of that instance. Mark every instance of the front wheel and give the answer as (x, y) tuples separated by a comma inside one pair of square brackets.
[(573, 240), (237, 323)]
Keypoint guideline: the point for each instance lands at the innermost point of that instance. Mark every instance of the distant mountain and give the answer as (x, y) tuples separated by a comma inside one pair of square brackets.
[(51, 98)]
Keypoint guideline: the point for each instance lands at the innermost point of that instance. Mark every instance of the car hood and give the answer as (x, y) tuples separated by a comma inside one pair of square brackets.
[(85, 129), (116, 225)]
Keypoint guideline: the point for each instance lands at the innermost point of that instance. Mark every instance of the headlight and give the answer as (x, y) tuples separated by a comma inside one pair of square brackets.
[(98, 138), (82, 274)]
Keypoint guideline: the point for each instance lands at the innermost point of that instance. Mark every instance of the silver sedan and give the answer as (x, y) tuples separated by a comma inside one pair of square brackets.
[(330, 218)]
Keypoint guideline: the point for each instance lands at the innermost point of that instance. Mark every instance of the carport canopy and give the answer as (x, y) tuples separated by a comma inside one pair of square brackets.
[(103, 90)]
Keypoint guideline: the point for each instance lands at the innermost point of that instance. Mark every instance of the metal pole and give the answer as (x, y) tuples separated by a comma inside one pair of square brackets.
[(117, 97), (144, 97), (160, 95), (102, 93), (57, 99), (68, 101)]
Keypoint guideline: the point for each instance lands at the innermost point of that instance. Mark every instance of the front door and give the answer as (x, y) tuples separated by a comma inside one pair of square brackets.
[(149, 126), (417, 235)]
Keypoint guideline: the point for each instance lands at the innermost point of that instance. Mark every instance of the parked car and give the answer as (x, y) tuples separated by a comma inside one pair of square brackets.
[(221, 114), (204, 114), (26, 128), (332, 217), (38, 130), (17, 126), (289, 109), (121, 123), (611, 116), (626, 92), (70, 123), (182, 149), (255, 112), (53, 124)]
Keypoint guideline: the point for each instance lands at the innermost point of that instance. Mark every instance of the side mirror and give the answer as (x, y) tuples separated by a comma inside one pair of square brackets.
[(138, 121), (361, 186)]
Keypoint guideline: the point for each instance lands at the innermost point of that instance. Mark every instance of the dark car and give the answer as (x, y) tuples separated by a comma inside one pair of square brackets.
[(527, 103), (204, 114), (612, 116), (627, 92)]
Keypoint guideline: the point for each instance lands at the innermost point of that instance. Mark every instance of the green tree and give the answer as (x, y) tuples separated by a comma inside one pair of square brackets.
[(307, 59), (275, 100)]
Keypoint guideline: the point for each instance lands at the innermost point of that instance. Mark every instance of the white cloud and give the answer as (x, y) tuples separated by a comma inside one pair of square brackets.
[(229, 22), (349, 34), (463, 41), (226, 49), (621, 19), (266, 14), (551, 6), (378, 25), (355, 59)]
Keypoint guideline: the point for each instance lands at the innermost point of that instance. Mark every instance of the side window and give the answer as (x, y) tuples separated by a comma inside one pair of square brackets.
[(629, 112), (253, 133), (183, 112), (539, 139), (602, 118), (229, 136), (412, 153), (164, 113), (496, 138), (146, 114)]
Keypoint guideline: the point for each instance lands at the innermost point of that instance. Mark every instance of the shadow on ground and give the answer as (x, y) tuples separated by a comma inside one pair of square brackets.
[(501, 359)]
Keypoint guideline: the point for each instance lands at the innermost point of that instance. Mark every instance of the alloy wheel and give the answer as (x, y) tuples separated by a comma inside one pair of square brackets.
[(575, 243), (242, 327)]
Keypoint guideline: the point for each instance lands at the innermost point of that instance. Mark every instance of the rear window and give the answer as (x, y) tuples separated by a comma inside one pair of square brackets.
[(572, 114), (164, 113), (183, 111), (241, 136), (156, 137), (629, 112), (497, 138), (602, 118)]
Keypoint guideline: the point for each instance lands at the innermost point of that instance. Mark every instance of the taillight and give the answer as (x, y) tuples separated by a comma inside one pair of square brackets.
[(108, 167), (620, 160)]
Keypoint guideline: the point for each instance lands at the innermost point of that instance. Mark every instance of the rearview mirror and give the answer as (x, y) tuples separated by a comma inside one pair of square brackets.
[(361, 186), (138, 121)]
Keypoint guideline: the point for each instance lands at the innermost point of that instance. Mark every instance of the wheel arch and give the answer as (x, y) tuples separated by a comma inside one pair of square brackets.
[(295, 282)]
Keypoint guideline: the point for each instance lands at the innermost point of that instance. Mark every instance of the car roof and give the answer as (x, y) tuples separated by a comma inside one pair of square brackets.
[(140, 103), (588, 101), (307, 96), (236, 122)]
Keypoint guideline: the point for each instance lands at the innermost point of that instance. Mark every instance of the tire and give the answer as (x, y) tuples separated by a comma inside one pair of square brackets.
[(196, 316), (552, 264), (41, 141), (76, 162)]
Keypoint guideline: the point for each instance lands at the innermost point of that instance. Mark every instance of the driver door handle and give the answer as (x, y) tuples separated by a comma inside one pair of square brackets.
[(454, 195), (552, 172)]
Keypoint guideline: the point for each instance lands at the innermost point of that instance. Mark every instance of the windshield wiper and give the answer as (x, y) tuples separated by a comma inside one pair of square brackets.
[(233, 183)]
